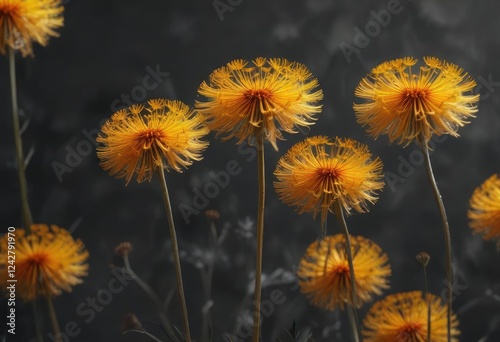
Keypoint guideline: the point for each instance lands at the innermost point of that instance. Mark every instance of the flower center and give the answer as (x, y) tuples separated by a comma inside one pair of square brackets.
[(149, 137), (257, 94), (342, 269), (416, 99), (37, 259), (410, 331), (328, 172), (9, 10), (415, 94), (259, 104)]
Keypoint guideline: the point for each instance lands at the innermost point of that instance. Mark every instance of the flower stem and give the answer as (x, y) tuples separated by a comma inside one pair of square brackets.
[(446, 230), (324, 229), (147, 289), (23, 187), (260, 236), (175, 252), (339, 212), (53, 319), (351, 313), (145, 332)]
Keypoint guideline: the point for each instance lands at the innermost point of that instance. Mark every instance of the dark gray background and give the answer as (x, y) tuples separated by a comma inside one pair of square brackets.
[(104, 50)]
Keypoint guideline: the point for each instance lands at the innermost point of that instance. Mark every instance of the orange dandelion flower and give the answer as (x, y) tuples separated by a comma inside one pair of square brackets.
[(268, 96), (402, 317), (484, 212), (324, 271), (48, 260), (23, 22), (141, 138), (316, 172), (405, 105)]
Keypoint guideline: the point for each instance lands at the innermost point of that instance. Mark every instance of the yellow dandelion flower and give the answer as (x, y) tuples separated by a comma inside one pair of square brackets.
[(265, 96), (324, 271), (436, 99), (484, 212), (23, 22), (48, 260), (141, 138), (402, 317), (318, 171)]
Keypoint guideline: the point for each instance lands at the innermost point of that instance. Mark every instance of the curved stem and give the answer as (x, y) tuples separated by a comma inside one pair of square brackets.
[(149, 291), (175, 252), (23, 187), (21, 175), (339, 212), (446, 230), (260, 237), (145, 332), (53, 319)]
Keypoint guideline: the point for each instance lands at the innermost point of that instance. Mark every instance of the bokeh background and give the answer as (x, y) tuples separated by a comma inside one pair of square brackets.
[(107, 48)]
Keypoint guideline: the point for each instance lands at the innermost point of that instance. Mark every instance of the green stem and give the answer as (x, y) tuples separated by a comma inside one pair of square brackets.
[(147, 289), (175, 252), (260, 236), (340, 217), (53, 319), (23, 187), (351, 313), (446, 230)]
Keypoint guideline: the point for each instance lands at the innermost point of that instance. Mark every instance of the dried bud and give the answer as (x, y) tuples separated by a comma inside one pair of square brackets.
[(423, 258), (123, 249), (212, 215), (131, 322)]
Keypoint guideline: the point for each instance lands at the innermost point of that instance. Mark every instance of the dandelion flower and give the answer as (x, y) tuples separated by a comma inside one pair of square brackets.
[(324, 271), (436, 99), (142, 138), (318, 171), (23, 22), (402, 317), (48, 260), (484, 212), (265, 96)]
